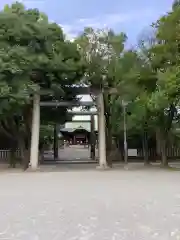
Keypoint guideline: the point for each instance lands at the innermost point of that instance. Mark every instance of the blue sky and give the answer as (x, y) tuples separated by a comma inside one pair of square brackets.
[(131, 16)]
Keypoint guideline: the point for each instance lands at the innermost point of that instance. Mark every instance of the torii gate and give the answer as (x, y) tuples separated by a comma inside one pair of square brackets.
[(34, 152)]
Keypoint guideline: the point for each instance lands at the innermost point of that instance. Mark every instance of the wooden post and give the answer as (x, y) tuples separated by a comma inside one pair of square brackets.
[(34, 151)]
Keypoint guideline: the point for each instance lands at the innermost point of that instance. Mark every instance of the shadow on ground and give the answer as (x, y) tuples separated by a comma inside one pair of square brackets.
[(68, 167)]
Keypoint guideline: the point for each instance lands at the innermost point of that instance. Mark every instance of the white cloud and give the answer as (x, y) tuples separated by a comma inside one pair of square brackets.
[(103, 21), (69, 30)]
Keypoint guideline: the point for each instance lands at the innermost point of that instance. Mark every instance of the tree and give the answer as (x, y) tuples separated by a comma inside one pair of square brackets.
[(165, 62), (34, 55), (101, 49), (132, 87)]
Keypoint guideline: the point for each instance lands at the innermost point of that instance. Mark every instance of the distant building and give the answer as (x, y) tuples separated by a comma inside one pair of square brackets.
[(76, 136), (85, 125)]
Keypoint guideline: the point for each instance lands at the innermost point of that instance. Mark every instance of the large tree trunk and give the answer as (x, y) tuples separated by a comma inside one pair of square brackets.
[(164, 158), (161, 140), (27, 136), (24, 146), (166, 121)]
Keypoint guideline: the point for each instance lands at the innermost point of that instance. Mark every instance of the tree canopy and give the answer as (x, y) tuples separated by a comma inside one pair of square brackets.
[(146, 78), (35, 56)]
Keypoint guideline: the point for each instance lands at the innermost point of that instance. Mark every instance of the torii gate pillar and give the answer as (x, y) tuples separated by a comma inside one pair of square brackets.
[(34, 152), (101, 132)]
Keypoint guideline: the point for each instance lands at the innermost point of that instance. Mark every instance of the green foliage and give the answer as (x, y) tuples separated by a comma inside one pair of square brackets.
[(34, 56), (146, 78), (46, 134)]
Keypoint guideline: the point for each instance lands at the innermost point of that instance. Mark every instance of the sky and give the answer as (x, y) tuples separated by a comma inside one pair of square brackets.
[(132, 17)]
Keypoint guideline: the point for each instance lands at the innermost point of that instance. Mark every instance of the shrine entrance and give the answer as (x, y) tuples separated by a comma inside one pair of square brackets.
[(34, 154), (72, 144), (76, 136), (79, 144)]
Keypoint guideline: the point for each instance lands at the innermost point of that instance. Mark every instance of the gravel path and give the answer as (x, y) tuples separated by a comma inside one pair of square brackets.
[(90, 205), (72, 153)]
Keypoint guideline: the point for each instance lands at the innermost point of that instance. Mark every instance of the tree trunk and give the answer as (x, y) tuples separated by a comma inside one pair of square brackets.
[(121, 150), (13, 157), (158, 144), (41, 154), (26, 159), (93, 140), (164, 158), (109, 145), (120, 147), (161, 146), (24, 146), (108, 130), (145, 148), (55, 146)]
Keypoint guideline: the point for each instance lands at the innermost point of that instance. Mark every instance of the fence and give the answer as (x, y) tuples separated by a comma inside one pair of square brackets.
[(5, 154), (170, 152)]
